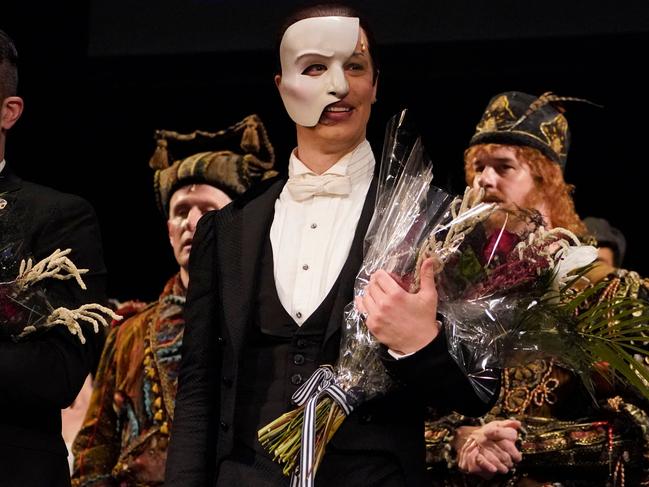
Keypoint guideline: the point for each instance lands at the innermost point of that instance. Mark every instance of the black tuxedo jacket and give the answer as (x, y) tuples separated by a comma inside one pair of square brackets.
[(43, 374), (223, 269)]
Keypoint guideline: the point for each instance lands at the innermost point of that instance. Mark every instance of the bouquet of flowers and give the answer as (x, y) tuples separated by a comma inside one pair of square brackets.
[(24, 306), (514, 291)]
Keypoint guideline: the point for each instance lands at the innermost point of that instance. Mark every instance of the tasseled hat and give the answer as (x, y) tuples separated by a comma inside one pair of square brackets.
[(515, 118), (232, 171)]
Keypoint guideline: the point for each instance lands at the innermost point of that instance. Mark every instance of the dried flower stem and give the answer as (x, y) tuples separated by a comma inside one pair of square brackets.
[(59, 266), (71, 319), (55, 266), (467, 212)]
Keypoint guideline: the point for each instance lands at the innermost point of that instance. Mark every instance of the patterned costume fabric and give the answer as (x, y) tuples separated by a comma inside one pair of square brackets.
[(124, 438), (567, 440)]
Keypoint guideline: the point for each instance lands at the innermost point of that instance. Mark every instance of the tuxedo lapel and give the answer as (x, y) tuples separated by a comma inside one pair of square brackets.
[(242, 245), (352, 265)]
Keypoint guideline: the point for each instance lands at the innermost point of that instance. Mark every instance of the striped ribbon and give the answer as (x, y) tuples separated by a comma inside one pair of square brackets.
[(321, 382)]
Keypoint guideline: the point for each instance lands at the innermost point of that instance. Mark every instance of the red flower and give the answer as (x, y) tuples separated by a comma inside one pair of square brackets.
[(506, 242)]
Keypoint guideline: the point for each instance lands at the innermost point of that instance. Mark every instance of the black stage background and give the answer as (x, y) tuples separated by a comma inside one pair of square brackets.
[(98, 77)]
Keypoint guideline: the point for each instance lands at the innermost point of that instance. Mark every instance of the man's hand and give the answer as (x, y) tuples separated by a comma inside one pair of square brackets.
[(402, 321), (488, 449)]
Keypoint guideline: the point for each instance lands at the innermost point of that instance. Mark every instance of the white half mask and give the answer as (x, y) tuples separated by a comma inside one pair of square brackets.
[(319, 40)]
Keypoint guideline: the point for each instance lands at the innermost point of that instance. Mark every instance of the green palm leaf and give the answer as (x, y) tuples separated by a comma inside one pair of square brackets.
[(612, 331)]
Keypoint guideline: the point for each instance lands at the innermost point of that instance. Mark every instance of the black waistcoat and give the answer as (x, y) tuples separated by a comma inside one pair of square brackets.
[(278, 355)]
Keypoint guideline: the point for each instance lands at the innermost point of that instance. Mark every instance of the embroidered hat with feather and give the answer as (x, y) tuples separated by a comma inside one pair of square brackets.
[(244, 155), (515, 118)]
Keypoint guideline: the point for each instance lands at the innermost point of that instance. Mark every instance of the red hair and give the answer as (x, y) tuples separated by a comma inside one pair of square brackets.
[(548, 180)]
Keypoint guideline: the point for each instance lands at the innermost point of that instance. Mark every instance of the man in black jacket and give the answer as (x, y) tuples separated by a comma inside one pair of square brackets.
[(271, 274), (43, 373)]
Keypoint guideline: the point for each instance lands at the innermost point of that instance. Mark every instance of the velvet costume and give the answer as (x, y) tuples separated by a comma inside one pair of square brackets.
[(124, 437), (567, 439)]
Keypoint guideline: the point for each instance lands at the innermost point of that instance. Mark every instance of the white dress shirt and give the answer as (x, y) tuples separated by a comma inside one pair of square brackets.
[(2, 165), (311, 238)]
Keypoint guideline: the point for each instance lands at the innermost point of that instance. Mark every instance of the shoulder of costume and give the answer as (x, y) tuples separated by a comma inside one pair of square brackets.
[(51, 197)]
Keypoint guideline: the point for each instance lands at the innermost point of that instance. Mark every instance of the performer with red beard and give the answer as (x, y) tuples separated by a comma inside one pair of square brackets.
[(544, 429)]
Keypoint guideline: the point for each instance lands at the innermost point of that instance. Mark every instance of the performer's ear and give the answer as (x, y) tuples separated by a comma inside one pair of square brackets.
[(10, 111)]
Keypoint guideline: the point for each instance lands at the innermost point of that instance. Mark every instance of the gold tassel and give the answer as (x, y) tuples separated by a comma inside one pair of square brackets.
[(250, 139), (160, 157), (268, 175)]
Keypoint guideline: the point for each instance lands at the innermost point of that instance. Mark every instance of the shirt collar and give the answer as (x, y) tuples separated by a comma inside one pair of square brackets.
[(2, 165), (353, 164)]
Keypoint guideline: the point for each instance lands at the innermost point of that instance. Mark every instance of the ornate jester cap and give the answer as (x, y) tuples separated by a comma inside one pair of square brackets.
[(246, 156), (515, 118)]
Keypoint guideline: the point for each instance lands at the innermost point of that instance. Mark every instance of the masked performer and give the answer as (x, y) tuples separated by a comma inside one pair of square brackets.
[(272, 273)]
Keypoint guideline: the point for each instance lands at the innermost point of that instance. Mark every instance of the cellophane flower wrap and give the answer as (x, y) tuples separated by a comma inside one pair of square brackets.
[(407, 209), (20, 306)]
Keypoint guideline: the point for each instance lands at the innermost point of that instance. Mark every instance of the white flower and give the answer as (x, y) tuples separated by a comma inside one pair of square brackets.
[(570, 258)]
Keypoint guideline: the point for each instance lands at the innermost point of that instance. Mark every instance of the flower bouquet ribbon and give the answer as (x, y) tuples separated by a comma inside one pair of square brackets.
[(322, 382), (407, 207)]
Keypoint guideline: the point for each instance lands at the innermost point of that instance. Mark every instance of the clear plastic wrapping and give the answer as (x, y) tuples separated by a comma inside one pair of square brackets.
[(505, 294), (21, 306), (407, 206)]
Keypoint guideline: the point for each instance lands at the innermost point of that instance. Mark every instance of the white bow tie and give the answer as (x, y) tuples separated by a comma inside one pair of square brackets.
[(306, 185)]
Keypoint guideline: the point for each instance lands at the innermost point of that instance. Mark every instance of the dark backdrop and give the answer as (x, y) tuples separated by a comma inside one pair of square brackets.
[(98, 78)]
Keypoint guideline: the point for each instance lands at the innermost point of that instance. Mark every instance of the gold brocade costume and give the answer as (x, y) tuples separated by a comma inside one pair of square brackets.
[(125, 434), (566, 439)]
